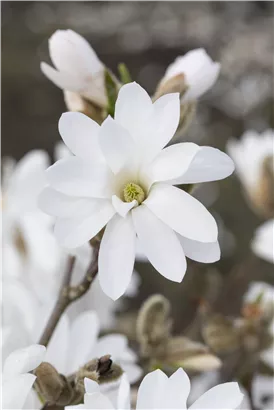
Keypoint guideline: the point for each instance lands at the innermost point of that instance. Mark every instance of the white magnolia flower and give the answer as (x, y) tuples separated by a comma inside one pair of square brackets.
[(200, 73), (262, 292), (76, 343), (122, 178), (16, 381), (29, 247), (157, 391), (77, 67), (254, 160), (263, 241)]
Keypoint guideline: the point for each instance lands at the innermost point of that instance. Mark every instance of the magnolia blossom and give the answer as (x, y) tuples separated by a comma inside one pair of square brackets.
[(157, 391), (263, 241), (122, 178), (75, 343), (77, 67), (199, 72), (16, 381), (30, 250), (254, 161)]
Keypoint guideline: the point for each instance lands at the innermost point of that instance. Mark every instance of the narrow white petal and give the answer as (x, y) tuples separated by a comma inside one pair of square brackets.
[(63, 80), (83, 336), (97, 401), (151, 390), (122, 208), (223, 396), (63, 206), (160, 244), (133, 107), (123, 399), (172, 162), (80, 134), (201, 252), (74, 232), (209, 164), (16, 390), (76, 177), (24, 360), (116, 256), (116, 144), (178, 390), (91, 386), (182, 212)]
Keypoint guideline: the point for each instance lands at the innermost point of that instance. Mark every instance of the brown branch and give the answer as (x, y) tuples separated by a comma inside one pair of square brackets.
[(69, 294)]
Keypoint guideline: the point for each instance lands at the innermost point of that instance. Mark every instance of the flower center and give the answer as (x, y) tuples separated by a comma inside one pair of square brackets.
[(133, 191)]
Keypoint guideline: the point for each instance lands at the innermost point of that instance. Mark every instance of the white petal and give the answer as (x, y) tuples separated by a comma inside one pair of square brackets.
[(178, 390), (151, 390), (63, 80), (74, 232), (80, 134), (91, 386), (76, 177), (182, 212), (63, 206), (123, 399), (114, 344), (133, 107), (58, 348), (132, 370), (116, 144), (160, 244), (223, 396), (70, 52), (97, 401), (83, 336), (122, 208), (209, 164), (116, 256), (161, 126), (201, 252), (16, 390), (172, 162), (24, 360), (204, 80)]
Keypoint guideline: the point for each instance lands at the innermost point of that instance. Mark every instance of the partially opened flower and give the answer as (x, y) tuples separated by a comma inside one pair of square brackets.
[(76, 343), (16, 379), (157, 391), (122, 178), (193, 74), (77, 67), (254, 160), (263, 241)]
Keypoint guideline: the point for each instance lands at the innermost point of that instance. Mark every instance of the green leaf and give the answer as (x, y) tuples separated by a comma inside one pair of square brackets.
[(124, 74), (112, 92)]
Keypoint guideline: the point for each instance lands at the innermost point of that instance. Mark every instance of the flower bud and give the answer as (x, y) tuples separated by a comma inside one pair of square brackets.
[(52, 386), (153, 325), (75, 102)]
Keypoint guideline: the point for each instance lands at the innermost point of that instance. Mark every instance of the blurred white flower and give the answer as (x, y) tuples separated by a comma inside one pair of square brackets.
[(76, 343), (260, 291), (122, 177), (253, 155), (77, 67), (263, 241), (27, 232), (16, 381), (199, 70), (157, 391)]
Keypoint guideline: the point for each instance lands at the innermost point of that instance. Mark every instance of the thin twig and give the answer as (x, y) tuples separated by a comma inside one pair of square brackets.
[(69, 294)]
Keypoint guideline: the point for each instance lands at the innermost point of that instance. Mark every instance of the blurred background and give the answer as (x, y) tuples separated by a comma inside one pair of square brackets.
[(147, 36)]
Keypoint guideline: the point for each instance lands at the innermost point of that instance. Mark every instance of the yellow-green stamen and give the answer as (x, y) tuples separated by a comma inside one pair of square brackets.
[(133, 192)]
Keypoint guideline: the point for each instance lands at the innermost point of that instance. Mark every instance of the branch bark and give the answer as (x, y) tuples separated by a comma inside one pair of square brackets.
[(69, 294)]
